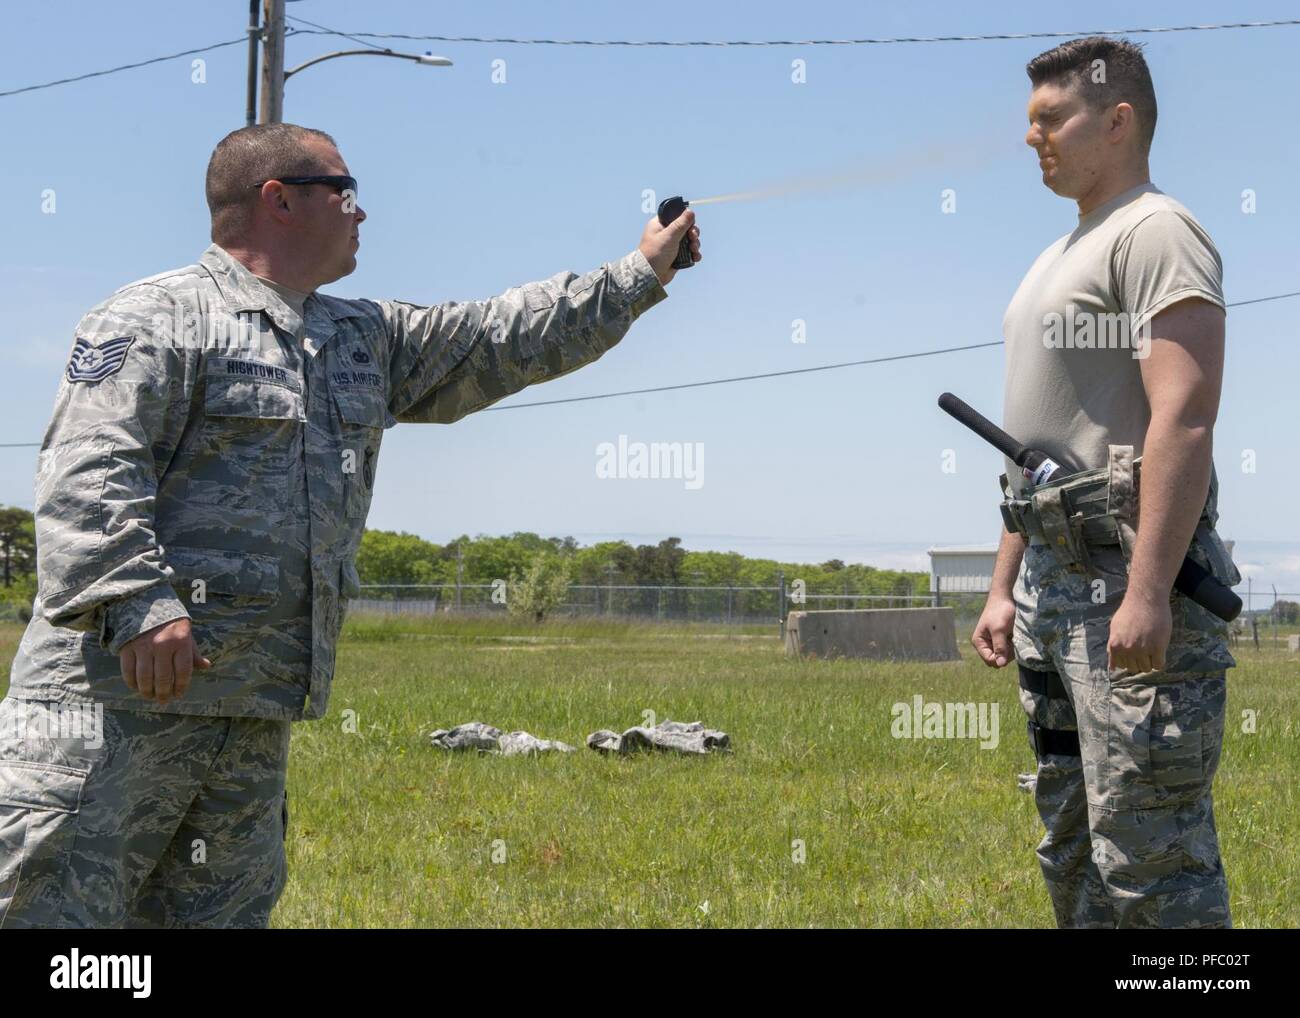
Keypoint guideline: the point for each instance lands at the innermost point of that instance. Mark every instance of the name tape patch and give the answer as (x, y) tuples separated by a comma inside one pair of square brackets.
[(92, 363), (256, 369)]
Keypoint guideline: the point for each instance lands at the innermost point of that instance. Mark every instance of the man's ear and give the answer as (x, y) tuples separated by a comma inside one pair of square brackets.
[(276, 202), (1120, 122)]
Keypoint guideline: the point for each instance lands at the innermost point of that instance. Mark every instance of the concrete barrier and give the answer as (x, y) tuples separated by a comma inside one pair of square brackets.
[(899, 634)]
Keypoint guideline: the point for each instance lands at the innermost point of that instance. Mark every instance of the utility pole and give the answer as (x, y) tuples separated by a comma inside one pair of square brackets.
[(254, 36), (271, 35), (273, 63)]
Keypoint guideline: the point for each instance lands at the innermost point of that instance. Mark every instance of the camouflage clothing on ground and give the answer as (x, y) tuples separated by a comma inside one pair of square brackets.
[(487, 739), (671, 736)]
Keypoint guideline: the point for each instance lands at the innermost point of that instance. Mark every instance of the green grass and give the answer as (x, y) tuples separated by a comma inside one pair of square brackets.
[(387, 831)]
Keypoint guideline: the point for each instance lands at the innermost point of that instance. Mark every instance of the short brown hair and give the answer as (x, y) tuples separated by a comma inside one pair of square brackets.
[(247, 157), (1126, 76)]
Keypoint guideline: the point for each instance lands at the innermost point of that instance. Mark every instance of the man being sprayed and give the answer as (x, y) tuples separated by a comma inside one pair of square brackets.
[(1123, 680)]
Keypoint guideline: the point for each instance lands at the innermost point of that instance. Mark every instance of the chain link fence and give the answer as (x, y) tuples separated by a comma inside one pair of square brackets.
[(725, 604), (1267, 618)]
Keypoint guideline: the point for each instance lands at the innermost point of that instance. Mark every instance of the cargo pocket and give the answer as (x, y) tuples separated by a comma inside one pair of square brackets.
[(1186, 736), (39, 812), (1176, 759), (1125, 773), (1162, 742)]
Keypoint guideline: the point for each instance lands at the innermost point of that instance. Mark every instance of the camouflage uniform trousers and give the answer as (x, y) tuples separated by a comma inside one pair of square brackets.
[(153, 820), (1130, 840)]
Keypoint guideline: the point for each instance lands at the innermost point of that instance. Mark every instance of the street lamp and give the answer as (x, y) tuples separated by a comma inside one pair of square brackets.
[(275, 100), (419, 58), (271, 35)]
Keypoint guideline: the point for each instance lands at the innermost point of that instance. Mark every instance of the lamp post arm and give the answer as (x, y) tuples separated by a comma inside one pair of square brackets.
[(417, 57)]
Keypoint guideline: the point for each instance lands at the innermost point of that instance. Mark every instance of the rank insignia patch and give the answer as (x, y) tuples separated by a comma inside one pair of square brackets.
[(93, 363)]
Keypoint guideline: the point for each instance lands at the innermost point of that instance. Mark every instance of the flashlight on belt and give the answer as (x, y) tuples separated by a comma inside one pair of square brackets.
[(670, 209)]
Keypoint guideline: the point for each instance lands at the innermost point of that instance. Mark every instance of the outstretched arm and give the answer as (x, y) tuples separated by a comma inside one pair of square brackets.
[(449, 360)]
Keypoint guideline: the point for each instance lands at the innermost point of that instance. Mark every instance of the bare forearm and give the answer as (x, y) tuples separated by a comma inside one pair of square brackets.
[(1011, 550), (1175, 479)]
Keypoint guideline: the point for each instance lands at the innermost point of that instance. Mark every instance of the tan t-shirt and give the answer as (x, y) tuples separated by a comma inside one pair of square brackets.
[(1075, 328)]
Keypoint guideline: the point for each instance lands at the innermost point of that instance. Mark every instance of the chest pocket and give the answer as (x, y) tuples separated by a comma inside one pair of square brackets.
[(251, 429), (362, 420)]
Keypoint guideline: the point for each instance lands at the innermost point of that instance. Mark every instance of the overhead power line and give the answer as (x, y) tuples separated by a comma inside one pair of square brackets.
[(749, 378), (326, 30), (241, 41), (804, 371), (884, 41), (802, 42), (766, 374)]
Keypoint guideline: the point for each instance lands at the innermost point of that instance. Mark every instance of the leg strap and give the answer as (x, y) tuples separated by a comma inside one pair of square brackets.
[(1048, 741)]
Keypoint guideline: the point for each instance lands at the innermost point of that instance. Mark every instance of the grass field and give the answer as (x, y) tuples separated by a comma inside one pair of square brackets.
[(387, 831)]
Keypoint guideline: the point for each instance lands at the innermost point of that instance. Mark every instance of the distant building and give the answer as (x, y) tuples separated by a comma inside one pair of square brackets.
[(969, 569), (962, 570)]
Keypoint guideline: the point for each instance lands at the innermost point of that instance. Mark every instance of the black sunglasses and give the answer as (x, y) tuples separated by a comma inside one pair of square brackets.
[(340, 183)]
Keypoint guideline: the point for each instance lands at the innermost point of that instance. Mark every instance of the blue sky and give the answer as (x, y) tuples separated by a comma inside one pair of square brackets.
[(472, 187)]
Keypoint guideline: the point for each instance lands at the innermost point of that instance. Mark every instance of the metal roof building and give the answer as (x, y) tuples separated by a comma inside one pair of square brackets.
[(967, 569)]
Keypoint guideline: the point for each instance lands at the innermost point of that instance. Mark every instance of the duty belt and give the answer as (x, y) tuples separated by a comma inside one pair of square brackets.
[(1099, 508), (1094, 508)]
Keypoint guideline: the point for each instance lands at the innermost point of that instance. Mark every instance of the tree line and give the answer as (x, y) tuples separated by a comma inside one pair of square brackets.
[(390, 557), (400, 558)]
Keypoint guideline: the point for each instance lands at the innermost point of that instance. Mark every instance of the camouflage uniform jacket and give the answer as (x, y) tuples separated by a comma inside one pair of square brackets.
[(203, 461)]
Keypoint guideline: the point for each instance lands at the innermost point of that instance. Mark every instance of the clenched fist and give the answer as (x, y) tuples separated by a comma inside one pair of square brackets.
[(659, 243)]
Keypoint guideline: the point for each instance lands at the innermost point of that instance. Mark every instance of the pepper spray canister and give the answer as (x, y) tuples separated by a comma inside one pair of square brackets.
[(670, 209)]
